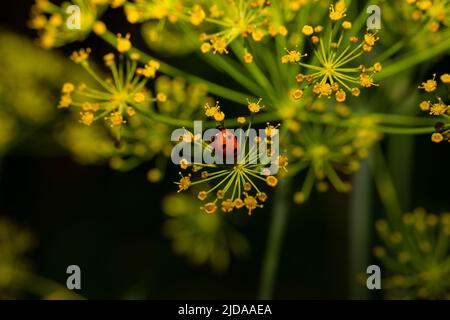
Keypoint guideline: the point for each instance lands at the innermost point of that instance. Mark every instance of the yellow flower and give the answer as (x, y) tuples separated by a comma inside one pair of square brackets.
[(370, 39), (161, 97), (254, 107), (292, 57), (257, 35), (139, 97), (219, 116), (356, 92), (271, 181), (67, 87), (227, 205), (248, 58), (241, 120), (238, 203), (149, 70), (123, 43), (337, 11), (346, 24), (87, 118), (438, 109), (80, 55), (340, 96), (307, 30), (99, 28), (197, 15), (184, 183), (219, 45), (262, 196), (297, 94), (108, 59), (116, 119), (202, 195), (209, 208), (251, 203), (377, 67), (430, 85), (424, 106), (205, 47), (65, 101), (445, 78), (131, 111), (366, 80)]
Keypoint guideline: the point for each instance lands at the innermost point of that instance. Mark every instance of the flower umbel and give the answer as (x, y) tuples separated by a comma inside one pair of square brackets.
[(438, 107), (117, 97), (416, 255)]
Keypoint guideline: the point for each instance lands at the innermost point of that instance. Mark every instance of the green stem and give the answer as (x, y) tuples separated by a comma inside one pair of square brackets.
[(385, 185), (360, 227), (277, 230)]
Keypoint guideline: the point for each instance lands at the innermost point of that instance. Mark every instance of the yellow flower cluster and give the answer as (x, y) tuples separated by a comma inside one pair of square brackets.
[(233, 183), (115, 98), (438, 108), (234, 19), (51, 21), (436, 13), (203, 239), (324, 151), (333, 76)]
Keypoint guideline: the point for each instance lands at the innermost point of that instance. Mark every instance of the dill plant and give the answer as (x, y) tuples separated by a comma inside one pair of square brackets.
[(310, 63)]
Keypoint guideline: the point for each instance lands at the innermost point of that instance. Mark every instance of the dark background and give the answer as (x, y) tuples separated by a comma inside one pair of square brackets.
[(109, 223)]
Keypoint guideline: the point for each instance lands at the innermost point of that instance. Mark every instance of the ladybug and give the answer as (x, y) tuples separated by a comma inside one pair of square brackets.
[(222, 145)]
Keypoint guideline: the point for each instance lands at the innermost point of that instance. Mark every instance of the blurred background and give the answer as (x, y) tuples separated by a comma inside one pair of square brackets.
[(75, 210)]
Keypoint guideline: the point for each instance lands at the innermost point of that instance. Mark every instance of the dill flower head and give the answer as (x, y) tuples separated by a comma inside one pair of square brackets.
[(327, 151), (230, 20), (435, 14), (438, 105), (51, 20), (147, 138), (416, 255), (203, 239), (333, 71), (86, 144), (117, 98), (249, 164)]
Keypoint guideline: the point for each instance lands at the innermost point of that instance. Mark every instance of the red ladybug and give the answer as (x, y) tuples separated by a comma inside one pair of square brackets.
[(222, 146)]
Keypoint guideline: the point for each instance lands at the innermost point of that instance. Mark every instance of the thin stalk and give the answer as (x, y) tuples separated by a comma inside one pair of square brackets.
[(359, 228), (385, 186), (277, 230)]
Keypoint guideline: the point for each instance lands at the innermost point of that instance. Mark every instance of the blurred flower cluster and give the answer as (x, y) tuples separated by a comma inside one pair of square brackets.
[(17, 277), (27, 88), (202, 238), (416, 255)]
